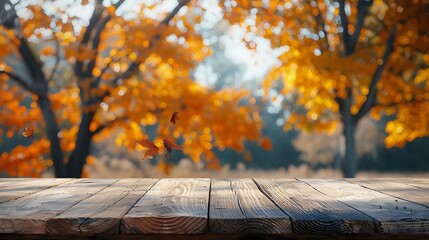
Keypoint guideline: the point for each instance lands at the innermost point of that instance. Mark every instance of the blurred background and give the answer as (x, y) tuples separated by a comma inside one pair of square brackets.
[(264, 88)]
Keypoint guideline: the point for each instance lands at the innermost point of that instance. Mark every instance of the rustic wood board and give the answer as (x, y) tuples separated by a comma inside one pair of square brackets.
[(237, 205), (28, 215), (101, 212), (396, 189), (416, 182), (218, 208), (393, 215), (313, 212), (14, 188), (175, 206)]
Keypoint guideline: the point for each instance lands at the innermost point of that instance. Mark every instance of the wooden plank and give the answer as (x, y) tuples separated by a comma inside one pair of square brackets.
[(171, 206), (392, 215), (28, 215), (102, 212), (238, 206), (14, 188), (416, 182), (396, 189), (313, 212), (225, 215)]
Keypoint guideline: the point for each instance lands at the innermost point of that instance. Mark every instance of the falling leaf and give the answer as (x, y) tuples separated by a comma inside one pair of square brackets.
[(152, 149), (169, 145), (174, 117), (27, 133)]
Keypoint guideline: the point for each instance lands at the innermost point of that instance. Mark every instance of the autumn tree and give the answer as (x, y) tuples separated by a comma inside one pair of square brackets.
[(342, 60), (118, 70)]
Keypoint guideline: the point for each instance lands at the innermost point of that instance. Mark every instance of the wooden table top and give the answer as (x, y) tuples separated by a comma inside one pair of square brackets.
[(88, 207)]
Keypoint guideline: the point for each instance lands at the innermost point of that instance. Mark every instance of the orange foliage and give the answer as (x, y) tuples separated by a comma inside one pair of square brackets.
[(27, 161)]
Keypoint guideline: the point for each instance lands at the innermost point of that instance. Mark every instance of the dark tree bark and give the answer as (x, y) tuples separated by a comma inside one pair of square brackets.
[(83, 145), (52, 133), (349, 164)]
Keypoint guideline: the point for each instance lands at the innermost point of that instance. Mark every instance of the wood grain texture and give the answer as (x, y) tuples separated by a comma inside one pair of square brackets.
[(393, 215), (14, 188), (238, 206), (101, 212), (416, 182), (171, 206), (28, 215), (313, 212), (218, 208), (396, 189), (226, 215)]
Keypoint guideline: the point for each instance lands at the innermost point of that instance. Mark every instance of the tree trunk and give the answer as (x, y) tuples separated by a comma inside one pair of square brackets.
[(52, 133), (349, 166), (83, 144)]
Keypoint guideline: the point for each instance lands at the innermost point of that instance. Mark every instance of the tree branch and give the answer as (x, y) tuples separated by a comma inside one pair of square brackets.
[(8, 17), (321, 23), (96, 14), (344, 24), (363, 7), (371, 97), (96, 43), (97, 37), (20, 81), (103, 126), (174, 11), (350, 41), (34, 66), (118, 4), (57, 60)]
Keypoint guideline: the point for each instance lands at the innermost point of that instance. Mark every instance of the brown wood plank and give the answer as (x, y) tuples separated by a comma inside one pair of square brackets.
[(101, 212), (226, 215), (313, 212), (396, 189), (238, 206), (415, 182), (171, 206), (28, 215), (14, 188), (393, 215)]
